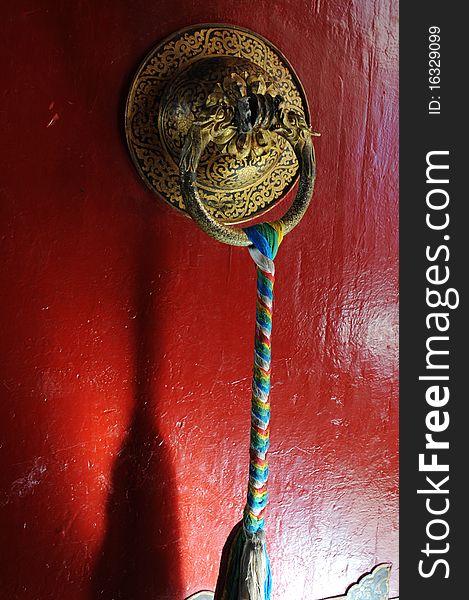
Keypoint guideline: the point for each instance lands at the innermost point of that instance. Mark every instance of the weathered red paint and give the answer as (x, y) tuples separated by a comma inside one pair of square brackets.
[(127, 333)]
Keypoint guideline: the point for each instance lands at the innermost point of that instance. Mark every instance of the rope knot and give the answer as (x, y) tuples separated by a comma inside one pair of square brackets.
[(265, 239)]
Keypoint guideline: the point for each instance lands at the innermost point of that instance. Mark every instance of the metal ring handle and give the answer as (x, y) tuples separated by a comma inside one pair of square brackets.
[(236, 237), (224, 120)]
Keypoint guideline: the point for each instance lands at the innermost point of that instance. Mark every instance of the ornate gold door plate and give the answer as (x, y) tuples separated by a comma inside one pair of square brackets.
[(169, 93)]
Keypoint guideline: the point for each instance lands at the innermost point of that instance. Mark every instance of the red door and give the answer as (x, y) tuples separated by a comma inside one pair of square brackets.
[(126, 332)]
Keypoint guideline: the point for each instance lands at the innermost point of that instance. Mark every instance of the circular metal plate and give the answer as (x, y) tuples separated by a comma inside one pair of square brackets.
[(169, 90)]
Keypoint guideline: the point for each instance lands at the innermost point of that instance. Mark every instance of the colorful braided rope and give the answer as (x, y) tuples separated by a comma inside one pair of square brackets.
[(245, 566), (266, 239)]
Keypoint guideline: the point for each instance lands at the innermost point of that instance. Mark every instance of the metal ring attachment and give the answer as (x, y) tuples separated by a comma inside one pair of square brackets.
[(241, 109)]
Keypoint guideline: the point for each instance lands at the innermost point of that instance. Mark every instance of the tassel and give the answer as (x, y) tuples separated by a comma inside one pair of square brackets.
[(228, 577), (254, 572), (244, 567)]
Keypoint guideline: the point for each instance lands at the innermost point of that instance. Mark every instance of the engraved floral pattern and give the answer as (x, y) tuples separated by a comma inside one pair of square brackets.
[(162, 106)]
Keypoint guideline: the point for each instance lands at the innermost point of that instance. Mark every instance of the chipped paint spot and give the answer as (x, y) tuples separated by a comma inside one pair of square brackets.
[(23, 486), (54, 120)]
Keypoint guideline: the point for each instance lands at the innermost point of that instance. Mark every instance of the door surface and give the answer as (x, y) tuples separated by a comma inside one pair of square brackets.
[(126, 333)]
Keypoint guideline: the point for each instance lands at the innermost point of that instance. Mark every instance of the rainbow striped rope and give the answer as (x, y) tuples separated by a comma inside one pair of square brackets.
[(266, 239), (245, 567)]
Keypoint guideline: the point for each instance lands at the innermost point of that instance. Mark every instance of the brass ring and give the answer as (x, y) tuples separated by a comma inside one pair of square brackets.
[(302, 145)]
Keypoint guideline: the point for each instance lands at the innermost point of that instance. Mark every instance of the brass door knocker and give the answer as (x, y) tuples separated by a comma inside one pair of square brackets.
[(217, 124), (242, 116)]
